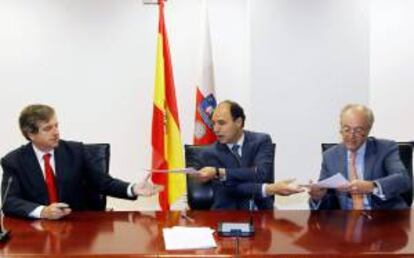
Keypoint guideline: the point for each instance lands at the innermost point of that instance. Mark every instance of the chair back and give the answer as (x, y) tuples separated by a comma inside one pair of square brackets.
[(406, 155), (98, 155), (200, 196)]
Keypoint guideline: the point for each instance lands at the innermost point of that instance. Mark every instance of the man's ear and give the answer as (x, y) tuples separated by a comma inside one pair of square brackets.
[(239, 122), (31, 136)]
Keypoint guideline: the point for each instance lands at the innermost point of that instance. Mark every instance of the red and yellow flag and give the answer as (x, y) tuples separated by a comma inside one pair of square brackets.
[(167, 152)]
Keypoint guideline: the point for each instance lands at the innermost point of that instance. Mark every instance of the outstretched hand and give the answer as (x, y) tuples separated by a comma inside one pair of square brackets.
[(146, 187), (283, 187)]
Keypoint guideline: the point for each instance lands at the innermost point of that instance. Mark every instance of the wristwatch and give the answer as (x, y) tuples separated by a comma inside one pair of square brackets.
[(217, 172), (376, 190)]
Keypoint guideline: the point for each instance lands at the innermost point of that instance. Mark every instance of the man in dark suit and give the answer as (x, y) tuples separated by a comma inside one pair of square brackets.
[(376, 175), (239, 163), (50, 176)]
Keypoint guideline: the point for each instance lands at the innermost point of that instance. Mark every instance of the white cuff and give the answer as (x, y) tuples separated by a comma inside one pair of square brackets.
[(36, 213), (130, 193), (378, 191), (264, 191)]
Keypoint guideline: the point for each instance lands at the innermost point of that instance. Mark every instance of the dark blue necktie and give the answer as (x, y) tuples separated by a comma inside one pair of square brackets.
[(235, 150)]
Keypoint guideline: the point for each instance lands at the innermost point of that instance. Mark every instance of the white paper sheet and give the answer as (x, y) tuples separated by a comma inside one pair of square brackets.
[(180, 238), (332, 182)]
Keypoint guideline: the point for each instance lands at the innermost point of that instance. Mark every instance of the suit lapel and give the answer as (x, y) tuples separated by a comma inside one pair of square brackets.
[(60, 170), (34, 171), (227, 156), (370, 153), (246, 150), (343, 161)]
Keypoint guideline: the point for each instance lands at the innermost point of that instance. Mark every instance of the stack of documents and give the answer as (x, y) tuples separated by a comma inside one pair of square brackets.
[(179, 238)]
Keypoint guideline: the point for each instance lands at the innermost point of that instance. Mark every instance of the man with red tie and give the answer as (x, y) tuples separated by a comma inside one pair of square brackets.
[(376, 175), (50, 176)]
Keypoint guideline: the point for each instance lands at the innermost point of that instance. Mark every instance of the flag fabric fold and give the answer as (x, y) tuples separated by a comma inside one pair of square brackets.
[(205, 93), (167, 152)]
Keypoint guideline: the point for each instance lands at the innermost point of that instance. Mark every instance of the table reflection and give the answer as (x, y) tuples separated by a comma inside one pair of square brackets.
[(356, 231)]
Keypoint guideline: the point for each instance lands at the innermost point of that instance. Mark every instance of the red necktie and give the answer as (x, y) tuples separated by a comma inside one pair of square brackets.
[(50, 180), (357, 199)]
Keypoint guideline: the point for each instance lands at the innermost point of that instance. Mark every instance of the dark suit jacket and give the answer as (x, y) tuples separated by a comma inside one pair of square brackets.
[(244, 179), (74, 174), (382, 164)]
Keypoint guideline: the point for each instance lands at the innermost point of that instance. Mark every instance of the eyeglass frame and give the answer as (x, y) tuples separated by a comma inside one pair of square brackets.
[(357, 131)]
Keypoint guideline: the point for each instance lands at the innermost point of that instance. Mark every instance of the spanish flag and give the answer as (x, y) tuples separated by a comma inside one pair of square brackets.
[(167, 152)]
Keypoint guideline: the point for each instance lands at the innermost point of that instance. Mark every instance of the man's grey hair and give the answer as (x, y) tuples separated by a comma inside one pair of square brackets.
[(359, 107)]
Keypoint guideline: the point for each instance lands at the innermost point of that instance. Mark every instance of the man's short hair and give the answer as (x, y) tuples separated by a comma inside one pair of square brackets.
[(31, 116), (368, 113), (236, 111)]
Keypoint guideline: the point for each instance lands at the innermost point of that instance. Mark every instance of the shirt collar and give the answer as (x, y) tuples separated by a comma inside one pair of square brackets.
[(360, 152), (39, 154), (239, 142)]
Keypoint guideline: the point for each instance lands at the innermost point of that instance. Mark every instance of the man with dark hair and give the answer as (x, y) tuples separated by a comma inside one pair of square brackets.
[(376, 175), (239, 164), (49, 175)]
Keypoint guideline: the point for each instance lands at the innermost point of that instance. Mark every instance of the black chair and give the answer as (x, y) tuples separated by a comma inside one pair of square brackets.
[(406, 155), (200, 196), (98, 155)]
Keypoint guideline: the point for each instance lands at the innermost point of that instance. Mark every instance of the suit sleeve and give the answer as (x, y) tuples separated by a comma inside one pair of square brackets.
[(15, 203), (103, 182), (248, 181), (396, 179)]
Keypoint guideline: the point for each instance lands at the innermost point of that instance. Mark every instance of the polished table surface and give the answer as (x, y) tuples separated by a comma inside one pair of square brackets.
[(278, 234)]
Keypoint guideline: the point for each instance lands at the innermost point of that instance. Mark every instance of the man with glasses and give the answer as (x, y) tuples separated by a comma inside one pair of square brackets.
[(372, 166)]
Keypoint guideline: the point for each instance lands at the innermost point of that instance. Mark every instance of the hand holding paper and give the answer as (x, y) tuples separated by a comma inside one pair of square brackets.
[(283, 187), (177, 170), (335, 181), (318, 190)]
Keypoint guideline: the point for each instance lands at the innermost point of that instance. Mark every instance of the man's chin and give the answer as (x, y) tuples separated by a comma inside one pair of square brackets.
[(54, 144), (352, 147)]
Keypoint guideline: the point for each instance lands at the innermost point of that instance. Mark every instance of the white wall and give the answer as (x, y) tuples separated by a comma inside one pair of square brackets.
[(308, 59), (391, 68)]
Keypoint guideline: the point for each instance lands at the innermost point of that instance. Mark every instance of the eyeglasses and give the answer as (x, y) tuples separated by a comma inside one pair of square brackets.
[(358, 131)]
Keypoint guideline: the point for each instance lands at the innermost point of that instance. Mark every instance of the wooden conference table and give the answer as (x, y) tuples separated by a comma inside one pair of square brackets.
[(278, 234)]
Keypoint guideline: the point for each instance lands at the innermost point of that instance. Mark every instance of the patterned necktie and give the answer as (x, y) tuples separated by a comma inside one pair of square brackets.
[(357, 199), (50, 180), (235, 149)]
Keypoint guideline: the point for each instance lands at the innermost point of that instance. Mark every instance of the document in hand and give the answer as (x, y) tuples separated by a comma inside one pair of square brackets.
[(333, 182), (177, 170), (179, 238)]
